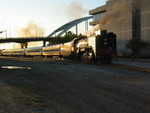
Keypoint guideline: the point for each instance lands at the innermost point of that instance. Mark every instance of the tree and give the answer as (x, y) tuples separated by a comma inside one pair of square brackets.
[(136, 45), (66, 38), (69, 36)]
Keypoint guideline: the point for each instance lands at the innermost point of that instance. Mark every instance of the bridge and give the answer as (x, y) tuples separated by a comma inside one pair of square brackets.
[(26, 39), (69, 25), (61, 30)]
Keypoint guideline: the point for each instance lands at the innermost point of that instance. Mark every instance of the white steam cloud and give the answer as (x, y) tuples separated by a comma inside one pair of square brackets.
[(93, 32), (75, 10)]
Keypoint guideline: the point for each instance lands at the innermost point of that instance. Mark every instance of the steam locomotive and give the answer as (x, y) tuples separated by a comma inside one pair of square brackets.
[(101, 48)]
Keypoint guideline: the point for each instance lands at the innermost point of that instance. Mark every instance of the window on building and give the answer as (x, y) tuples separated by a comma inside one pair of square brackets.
[(97, 16)]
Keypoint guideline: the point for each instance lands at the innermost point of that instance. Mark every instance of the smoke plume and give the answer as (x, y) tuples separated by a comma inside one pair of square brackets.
[(75, 10), (31, 30), (118, 10), (93, 31)]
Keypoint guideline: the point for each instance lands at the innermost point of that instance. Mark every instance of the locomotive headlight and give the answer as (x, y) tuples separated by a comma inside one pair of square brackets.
[(105, 41), (90, 54)]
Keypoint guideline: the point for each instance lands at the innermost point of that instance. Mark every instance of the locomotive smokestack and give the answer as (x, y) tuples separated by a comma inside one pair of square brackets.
[(103, 32)]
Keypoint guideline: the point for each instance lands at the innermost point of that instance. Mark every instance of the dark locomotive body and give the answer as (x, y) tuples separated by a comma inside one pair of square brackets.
[(101, 48)]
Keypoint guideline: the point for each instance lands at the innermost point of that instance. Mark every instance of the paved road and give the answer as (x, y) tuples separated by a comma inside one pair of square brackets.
[(37, 86)]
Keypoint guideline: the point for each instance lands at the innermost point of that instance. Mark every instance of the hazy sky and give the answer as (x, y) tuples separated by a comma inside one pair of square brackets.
[(49, 14)]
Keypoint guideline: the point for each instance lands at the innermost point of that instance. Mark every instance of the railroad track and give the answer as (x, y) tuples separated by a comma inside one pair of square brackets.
[(66, 60)]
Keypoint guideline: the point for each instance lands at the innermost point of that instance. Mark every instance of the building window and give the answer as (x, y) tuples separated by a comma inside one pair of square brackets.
[(96, 17)]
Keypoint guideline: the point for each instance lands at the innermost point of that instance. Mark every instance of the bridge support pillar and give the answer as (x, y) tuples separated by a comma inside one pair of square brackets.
[(44, 43), (76, 29), (24, 45)]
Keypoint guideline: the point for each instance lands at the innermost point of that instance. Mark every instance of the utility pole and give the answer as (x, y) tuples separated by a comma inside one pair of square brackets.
[(1, 33), (6, 33), (10, 32)]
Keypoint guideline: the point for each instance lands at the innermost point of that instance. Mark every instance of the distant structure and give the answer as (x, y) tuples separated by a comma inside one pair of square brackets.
[(127, 18), (64, 28), (24, 40), (58, 32)]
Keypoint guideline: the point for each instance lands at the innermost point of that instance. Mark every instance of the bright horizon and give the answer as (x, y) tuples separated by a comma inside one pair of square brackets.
[(47, 14)]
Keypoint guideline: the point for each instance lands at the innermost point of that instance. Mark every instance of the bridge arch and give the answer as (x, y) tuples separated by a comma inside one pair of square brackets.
[(68, 26), (64, 28)]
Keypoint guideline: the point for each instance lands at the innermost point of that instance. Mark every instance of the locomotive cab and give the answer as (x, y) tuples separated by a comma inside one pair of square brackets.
[(106, 46), (100, 48)]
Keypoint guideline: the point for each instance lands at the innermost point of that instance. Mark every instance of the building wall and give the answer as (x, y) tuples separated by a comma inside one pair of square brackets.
[(98, 13), (145, 24), (128, 19), (119, 13)]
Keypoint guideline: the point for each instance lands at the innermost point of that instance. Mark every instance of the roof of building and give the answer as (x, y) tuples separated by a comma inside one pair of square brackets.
[(98, 10)]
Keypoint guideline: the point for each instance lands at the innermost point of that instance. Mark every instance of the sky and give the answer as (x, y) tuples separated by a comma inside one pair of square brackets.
[(48, 14)]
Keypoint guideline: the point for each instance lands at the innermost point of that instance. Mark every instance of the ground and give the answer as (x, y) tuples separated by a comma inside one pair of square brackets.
[(34, 85)]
